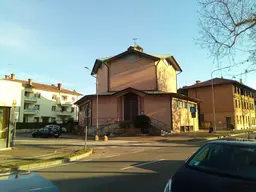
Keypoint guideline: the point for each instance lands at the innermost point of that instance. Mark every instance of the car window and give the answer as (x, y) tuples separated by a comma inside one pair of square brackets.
[(227, 159)]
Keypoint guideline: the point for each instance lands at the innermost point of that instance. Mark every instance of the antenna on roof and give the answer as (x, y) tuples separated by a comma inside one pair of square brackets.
[(134, 39)]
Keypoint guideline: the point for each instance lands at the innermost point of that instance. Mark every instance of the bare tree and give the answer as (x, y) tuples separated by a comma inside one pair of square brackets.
[(228, 26)]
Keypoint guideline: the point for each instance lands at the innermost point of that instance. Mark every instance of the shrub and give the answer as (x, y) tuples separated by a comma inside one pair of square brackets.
[(142, 121), (124, 124)]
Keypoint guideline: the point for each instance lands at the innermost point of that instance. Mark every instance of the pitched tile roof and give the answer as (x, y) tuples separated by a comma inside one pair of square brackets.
[(98, 62), (215, 81), (45, 87), (113, 93)]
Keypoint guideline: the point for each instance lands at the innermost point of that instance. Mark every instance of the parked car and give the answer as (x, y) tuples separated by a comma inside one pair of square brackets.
[(59, 128), (25, 182), (221, 166), (46, 132)]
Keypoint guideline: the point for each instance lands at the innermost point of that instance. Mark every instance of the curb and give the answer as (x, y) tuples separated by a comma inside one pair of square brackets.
[(42, 165), (6, 149), (220, 137)]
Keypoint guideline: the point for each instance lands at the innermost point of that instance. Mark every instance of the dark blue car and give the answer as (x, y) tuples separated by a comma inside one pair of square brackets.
[(218, 166)]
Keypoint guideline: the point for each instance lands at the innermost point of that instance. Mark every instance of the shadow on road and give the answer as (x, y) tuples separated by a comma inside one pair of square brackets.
[(148, 177), (173, 141)]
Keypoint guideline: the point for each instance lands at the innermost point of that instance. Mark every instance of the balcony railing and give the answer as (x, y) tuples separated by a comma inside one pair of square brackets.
[(30, 111), (30, 99), (64, 113), (66, 103)]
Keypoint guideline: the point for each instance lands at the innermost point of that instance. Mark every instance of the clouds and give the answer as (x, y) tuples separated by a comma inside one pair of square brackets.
[(14, 36)]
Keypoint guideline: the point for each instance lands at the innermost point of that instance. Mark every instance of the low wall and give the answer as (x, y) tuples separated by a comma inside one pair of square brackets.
[(25, 130)]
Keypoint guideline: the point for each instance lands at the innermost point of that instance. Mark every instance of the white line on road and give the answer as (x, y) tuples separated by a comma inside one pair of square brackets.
[(140, 150), (139, 165), (112, 155), (85, 160)]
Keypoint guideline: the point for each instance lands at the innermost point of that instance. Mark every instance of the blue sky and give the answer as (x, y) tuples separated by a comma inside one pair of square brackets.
[(51, 41)]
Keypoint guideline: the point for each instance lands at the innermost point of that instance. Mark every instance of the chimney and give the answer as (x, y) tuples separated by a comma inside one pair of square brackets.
[(59, 86), (198, 81), (30, 81), (12, 76)]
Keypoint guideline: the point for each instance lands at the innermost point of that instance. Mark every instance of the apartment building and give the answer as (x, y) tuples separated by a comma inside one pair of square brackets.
[(44, 103), (234, 102)]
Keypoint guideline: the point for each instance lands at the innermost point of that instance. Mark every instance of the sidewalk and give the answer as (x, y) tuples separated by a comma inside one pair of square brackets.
[(29, 153)]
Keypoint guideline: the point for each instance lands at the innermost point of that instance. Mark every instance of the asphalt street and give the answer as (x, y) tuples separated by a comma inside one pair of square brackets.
[(123, 168)]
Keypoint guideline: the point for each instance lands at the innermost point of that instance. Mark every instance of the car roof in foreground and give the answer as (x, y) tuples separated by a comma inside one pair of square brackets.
[(245, 143)]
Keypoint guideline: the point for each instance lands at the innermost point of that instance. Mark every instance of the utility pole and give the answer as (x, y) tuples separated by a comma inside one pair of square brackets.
[(213, 99)]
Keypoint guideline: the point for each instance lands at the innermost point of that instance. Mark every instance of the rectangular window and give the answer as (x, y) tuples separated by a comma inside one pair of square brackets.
[(236, 103), (25, 119), (37, 107), (64, 97), (175, 104), (54, 97), (53, 119), (36, 119), (53, 108), (27, 94), (72, 109)]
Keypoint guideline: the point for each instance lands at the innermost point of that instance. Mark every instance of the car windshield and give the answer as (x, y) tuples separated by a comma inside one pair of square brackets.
[(231, 160)]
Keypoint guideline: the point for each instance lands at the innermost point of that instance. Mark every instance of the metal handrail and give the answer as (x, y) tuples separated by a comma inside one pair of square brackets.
[(156, 123), (159, 122)]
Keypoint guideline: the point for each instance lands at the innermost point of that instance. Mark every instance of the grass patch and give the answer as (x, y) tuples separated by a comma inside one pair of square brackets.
[(20, 163), (77, 152)]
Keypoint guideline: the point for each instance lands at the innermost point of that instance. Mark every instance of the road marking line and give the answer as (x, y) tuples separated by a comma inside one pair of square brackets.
[(86, 160), (112, 155), (139, 165), (140, 150)]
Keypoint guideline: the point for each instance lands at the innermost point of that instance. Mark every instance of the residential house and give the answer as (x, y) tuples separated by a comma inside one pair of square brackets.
[(132, 83), (234, 102), (42, 102)]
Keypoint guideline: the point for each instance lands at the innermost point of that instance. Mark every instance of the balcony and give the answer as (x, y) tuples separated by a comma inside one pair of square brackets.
[(30, 111), (64, 113), (66, 103), (30, 99)]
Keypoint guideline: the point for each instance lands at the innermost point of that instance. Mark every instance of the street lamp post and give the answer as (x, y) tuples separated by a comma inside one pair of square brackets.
[(97, 99), (213, 100)]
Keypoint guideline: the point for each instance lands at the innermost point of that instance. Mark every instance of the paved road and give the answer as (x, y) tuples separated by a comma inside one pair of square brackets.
[(124, 169)]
